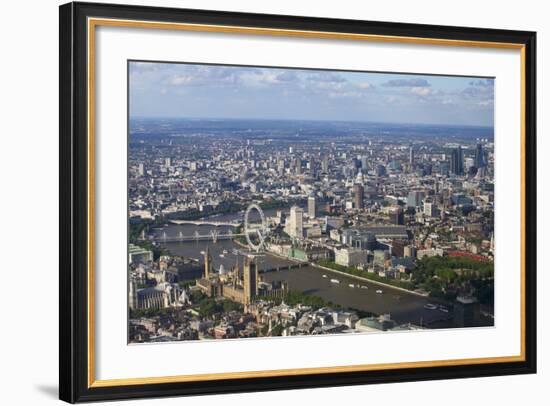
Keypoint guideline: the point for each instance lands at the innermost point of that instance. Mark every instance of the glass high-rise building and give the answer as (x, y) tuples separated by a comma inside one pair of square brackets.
[(479, 159), (457, 161)]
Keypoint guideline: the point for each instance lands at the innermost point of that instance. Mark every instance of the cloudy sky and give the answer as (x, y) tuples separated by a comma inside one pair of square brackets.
[(213, 91)]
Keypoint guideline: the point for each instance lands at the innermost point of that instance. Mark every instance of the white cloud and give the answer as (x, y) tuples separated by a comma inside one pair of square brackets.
[(485, 103), (421, 91), (352, 95)]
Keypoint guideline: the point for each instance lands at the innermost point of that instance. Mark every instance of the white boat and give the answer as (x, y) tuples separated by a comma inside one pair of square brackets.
[(222, 256), (324, 276), (225, 251), (443, 309), (430, 306), (202, 253), (335, 281), (351, 285), (364, 287), (379, 291)]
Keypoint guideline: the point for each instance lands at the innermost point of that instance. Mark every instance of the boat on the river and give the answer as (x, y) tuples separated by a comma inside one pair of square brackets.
[(364, 287), (351, 285), (222, 256), (379, 291), (324, 276), (430, 306), (335, 281), (443, 309)]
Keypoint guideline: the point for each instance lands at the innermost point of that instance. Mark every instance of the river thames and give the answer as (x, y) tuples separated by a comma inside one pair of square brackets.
[(404, 307)]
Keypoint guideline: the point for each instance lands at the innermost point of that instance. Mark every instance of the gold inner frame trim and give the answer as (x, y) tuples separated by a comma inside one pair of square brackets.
[(94, 22)]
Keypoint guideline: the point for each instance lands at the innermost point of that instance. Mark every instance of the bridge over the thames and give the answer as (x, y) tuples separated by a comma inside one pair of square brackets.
[(211, 236), (207, 223)]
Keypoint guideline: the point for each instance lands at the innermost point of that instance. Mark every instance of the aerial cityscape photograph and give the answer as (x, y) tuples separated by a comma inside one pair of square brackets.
[(278, 202)]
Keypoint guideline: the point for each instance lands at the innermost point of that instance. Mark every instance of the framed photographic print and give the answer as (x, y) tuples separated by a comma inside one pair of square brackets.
[(257, 202)]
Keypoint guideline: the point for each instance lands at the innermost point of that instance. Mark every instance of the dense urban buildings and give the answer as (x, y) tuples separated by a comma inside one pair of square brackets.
[(346, 248), (242, 228)]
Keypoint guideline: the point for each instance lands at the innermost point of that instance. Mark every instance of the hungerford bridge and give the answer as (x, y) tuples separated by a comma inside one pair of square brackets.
[(213, 235), (207, 223), (258, 230)]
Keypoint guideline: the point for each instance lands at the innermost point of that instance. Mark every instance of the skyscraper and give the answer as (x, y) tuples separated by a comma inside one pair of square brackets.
[(411, 155), (457, 161), (311, 207), (444, 169), (324, 164), (298, 166), (141, 169), (296, 220), (479, 160), (396, 216), (281, 167), (358, 196), (415, 198), (364, 163), (429, 208)]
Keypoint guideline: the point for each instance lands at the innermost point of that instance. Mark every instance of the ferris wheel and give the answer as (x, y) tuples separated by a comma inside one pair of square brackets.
[(259, 231)]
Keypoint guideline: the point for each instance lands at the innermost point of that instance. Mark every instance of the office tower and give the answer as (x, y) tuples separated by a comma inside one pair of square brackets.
[(324, 164), (415, 198), (457, 161), (396, 216), (296, 222), (380, 170), (281, 166), (479, 159), (167, 161), (298, 166), (428, 170), (141, 169), (411, 155), (250, 280), (311, 207), (358, 196), (364, 163), (290, 150), (429, 208), (444, 169)]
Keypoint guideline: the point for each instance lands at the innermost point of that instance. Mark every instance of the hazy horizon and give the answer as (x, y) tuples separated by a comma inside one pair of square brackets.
[(200, 91), (306, 120)]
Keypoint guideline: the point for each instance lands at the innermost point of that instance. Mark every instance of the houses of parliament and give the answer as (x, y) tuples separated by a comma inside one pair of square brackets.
[(236, 285)]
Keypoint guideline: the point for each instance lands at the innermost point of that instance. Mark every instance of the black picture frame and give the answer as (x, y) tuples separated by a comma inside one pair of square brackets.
[(74, 200)]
